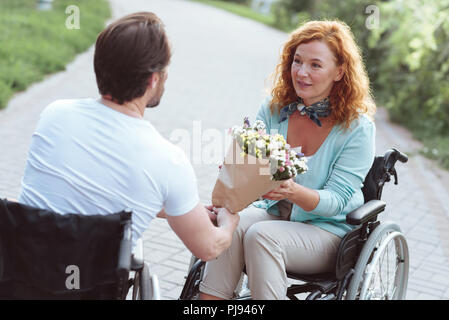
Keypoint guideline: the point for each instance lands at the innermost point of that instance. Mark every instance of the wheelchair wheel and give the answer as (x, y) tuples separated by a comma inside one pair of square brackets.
[(191, 289), (381, 272), (142, 284)]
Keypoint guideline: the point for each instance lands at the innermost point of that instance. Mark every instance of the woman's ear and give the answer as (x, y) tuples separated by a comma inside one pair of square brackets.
[(340, 73)]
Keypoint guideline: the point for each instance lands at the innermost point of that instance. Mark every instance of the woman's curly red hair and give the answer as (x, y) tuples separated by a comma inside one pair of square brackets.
[(349, 96)]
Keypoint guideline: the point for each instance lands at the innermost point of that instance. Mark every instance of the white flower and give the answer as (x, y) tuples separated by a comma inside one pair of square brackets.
[(260, 144), (292, 154), (272, 146), (259, 125)]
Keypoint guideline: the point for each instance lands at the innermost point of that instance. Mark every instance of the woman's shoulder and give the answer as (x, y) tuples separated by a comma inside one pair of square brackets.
[(362, 126), (365, 124), (265, 113), (361, 122), (265, 105)]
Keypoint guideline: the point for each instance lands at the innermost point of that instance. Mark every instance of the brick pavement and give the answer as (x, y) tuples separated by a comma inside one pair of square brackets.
[(216, 77)]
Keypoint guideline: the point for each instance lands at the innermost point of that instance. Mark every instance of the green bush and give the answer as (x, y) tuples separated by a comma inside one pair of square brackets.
[(406, 54), (288, 14), (413, 76), (35, 43)]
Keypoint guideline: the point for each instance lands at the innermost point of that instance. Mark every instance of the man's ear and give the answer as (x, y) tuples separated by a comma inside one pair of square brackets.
[(153, 80)]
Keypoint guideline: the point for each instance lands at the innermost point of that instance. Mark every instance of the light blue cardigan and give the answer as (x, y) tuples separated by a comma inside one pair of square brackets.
[(336, 171)]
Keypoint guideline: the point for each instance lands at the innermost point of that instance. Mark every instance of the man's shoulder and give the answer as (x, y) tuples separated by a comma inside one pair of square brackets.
[(172, 153), (64, 105), (70, 102)]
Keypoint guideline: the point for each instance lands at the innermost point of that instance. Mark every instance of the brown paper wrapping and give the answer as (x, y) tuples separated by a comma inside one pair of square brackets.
[(242, 180)]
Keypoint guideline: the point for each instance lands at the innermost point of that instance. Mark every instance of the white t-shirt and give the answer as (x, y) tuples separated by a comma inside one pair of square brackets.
[(88, 158)]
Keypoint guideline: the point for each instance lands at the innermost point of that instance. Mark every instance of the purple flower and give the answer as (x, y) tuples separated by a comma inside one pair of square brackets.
[(246, 122)]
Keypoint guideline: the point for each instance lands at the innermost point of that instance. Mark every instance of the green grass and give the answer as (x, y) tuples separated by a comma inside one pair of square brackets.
[(437, 148), (36, 43), (241, 10)]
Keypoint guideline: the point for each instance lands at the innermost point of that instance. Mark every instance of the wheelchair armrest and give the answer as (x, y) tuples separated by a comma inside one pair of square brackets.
[(366, 212), (124, 260)]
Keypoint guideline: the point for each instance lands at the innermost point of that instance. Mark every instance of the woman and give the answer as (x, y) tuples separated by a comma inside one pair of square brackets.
[(320, 102)]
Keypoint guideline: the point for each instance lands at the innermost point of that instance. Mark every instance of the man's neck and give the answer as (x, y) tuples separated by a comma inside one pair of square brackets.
[(131, 109)]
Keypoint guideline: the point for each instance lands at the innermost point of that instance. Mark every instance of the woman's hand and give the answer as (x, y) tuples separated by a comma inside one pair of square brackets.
[(285, 191), (301, 196)]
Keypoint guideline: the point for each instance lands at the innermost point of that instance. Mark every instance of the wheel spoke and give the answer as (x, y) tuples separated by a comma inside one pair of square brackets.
[(382, 268), (381, 274)]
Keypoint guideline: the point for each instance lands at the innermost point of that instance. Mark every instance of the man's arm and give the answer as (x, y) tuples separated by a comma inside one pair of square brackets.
[(199, 234), (162, 214)]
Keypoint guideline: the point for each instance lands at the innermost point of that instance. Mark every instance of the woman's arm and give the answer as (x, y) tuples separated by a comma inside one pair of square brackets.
[(347, 176), (349, 171)]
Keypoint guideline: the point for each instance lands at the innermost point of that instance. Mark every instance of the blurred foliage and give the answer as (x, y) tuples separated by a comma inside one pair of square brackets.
[(242, 10), (405, 45), (437, 148), (412, 77), (246, 2), (288, 14), (35, 43)]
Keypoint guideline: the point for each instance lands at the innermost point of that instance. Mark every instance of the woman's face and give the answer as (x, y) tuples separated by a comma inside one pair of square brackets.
[(314, 71)]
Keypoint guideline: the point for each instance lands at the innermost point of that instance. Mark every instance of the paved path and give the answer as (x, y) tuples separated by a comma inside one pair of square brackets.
[(216, 77)]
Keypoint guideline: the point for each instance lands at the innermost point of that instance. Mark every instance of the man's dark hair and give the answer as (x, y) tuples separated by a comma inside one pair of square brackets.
[(127, 52)]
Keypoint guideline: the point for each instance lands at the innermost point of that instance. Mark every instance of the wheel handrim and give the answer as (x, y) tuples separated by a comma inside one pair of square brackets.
[(385, 275)]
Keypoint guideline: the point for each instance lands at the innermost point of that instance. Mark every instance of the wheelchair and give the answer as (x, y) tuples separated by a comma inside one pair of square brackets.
[(372, 259), (46, 255)]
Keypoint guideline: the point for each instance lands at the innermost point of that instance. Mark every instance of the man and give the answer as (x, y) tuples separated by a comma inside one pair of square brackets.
[(100, 156)]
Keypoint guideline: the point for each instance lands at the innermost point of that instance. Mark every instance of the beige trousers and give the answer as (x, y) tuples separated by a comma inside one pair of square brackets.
[(268, 246)]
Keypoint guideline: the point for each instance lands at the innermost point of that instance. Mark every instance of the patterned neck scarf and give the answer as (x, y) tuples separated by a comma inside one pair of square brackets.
[(318, 109)]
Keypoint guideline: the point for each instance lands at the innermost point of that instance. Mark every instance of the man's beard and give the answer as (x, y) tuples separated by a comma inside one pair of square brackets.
[(156, 99), (153, 104)]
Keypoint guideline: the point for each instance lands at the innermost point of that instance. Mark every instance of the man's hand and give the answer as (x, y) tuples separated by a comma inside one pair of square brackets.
[(199, 235), (212, 213), (227, 219)]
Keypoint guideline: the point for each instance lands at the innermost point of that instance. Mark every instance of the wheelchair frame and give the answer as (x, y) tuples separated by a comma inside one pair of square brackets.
[(129, 271), (144, 286), (359, 255)]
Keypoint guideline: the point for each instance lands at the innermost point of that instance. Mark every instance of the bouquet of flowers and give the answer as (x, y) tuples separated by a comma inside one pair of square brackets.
[(285, 163), (255, 164)]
